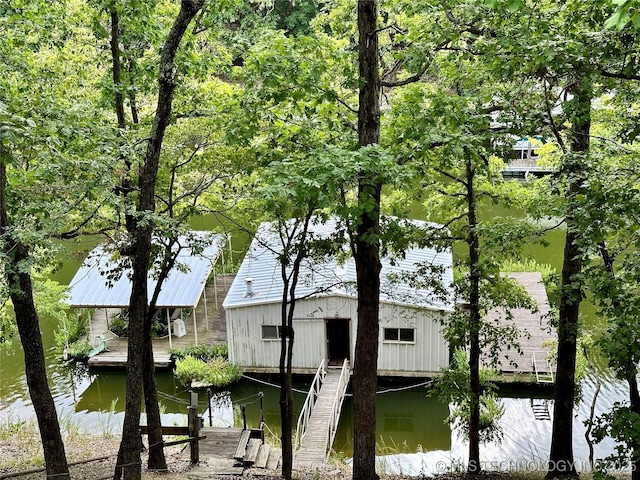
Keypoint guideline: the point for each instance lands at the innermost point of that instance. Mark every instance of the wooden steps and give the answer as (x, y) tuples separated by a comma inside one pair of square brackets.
[(274, 459), (262, 456), (241, 449), (252, 452)]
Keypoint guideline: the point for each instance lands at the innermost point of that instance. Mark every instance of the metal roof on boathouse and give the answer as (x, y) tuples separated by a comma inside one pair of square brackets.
[(102, 280), (336, 277)]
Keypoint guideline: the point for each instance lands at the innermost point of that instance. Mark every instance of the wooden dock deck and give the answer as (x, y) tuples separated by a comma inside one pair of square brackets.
[(212, 328), (534, 332), (318, 434), (523, 168), (216, 453)]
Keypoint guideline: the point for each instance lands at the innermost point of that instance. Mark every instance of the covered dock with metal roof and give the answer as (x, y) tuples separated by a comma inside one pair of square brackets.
[(103, 282)]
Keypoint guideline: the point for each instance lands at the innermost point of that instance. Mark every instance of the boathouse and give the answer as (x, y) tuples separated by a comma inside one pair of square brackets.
[(102, 287), (411, 341)]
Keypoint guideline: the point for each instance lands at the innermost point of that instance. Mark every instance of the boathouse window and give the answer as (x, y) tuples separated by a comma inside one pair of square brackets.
[(271, 332), (400, 335)]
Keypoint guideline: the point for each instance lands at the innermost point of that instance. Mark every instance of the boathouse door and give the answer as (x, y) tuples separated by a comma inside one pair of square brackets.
[(338, 340)]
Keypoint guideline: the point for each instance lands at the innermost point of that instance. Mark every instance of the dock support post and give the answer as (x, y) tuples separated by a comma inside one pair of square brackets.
[(244, 416), (209, 402), (261, 396)]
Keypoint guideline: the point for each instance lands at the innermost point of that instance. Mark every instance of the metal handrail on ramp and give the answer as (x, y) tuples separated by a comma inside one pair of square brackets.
[(307, 407), (319, 424)]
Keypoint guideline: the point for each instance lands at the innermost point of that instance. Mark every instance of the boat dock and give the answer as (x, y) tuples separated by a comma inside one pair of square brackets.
[(536, 336), (111, 350), (526, 169), (524, 162)]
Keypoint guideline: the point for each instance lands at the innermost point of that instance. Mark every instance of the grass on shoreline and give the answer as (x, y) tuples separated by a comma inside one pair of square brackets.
[(21, 450)]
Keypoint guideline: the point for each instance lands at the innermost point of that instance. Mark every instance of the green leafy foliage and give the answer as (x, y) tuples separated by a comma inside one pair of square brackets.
[(7, 325), (217, 372), (79, 350), (453, 386), (621, 424), (74, 329), (626, 12), (119, 324), (202, 351)]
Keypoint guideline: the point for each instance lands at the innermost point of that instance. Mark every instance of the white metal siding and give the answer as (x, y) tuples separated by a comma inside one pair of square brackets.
[(428, 353), (246, 348)]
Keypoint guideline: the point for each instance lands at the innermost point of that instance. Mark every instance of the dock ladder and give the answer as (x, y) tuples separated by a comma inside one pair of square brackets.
[(542, 370), (540, 408)]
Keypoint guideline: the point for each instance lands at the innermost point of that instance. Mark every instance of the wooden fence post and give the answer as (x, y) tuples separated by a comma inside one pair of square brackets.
[(194, 428)]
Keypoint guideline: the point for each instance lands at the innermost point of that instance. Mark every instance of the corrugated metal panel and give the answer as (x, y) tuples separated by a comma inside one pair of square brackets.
[(429, 353), (102, 281), (331, 278)]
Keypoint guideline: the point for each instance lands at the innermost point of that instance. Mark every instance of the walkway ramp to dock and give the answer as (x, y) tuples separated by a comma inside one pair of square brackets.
[(320, 415)]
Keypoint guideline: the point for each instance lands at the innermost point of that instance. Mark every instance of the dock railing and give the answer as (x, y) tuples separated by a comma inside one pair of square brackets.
[(310, 401), (337, 405)]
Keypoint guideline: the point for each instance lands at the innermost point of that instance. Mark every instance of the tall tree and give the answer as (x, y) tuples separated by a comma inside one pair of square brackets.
[(612, 203), (48, 179), (561, 453), (17, 266), (141, 225), (366, 250)]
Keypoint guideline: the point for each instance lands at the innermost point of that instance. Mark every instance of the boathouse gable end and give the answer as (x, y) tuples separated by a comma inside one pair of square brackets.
[(411, 338)]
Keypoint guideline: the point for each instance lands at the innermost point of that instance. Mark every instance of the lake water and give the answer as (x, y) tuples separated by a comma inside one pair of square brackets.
[(413, 437)]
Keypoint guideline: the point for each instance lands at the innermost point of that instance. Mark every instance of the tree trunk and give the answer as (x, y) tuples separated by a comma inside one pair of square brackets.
[(475, 321), (129, 461), (117, 67), (286, 396), (156, 460), (290, 282), (561, 462), (631, 376), (20, 286), (367, 252), (141, 232), (634, 404)]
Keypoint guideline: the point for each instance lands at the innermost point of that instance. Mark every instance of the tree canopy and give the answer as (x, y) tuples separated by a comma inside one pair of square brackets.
[(272, 109)]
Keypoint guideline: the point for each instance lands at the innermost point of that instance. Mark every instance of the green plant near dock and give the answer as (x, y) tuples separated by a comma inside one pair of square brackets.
[(206, 364), (119, 324), (217, 372), (79, 351), (202, 352), (71, 337), (453, 386)]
